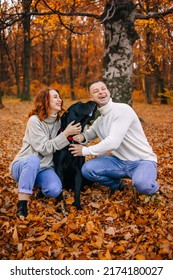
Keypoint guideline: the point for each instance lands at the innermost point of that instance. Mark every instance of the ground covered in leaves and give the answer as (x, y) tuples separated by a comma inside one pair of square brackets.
[(127, 226)]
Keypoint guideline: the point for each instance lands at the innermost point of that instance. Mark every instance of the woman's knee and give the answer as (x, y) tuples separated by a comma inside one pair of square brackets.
[(53, 190), (33, 162)]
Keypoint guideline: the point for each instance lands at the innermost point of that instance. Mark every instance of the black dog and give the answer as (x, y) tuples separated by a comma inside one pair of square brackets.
[(67, 166)]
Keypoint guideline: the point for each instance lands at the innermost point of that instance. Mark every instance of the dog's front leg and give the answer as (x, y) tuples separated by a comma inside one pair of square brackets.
[(77, 190)]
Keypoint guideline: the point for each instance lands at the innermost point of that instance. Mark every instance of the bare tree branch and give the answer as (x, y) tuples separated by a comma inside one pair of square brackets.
[(10, 19)]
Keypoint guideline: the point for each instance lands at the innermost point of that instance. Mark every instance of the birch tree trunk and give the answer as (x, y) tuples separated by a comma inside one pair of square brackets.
[(120, 36)]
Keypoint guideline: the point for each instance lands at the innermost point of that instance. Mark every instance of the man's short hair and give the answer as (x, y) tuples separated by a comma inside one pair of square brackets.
[(94, 82)]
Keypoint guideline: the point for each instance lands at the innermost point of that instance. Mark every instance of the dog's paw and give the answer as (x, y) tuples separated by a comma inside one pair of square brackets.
[(77, 205)]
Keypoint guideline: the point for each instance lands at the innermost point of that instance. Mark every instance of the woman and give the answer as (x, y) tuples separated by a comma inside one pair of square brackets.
[(33, 165)]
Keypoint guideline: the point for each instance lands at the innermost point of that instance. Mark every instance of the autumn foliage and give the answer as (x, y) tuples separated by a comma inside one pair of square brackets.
[(127, 226)]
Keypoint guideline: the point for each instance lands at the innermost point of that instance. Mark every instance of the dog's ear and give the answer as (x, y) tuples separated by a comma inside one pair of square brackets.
[(75, 107)]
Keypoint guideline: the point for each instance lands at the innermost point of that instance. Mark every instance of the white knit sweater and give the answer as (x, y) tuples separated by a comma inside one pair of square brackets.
[(120, 132)]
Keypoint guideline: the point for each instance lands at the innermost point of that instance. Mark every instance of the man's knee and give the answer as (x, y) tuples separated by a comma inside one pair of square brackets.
[(146, 187), (87, 170)]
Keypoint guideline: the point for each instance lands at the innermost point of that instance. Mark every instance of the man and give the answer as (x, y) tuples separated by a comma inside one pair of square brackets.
[(121, 134)]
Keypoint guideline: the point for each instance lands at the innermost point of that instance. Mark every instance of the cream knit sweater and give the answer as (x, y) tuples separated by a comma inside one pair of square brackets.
[(36, 140)]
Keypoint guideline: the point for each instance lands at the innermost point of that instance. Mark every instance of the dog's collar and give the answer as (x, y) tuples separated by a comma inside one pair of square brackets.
[(70, 138)]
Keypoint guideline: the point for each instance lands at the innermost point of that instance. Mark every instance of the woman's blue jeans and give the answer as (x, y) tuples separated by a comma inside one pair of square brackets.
[(26, 173), (109, 170)]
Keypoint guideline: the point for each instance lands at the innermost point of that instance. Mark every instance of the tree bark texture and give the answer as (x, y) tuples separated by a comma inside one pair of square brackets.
[(120, 36)]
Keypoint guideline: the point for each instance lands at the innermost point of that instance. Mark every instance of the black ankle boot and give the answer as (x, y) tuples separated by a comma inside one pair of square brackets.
[(40, 195), (22, 211), (120, 188)]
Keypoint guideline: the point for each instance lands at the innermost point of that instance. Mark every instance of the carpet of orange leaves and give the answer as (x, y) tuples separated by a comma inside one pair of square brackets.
[(127, 226)]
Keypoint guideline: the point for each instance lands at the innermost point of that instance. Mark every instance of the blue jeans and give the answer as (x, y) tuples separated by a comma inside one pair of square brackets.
[(108, 171), (26, 173)]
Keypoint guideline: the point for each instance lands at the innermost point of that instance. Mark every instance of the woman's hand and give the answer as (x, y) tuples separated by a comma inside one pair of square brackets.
[(76, 150), (72, 129), (79, 138)]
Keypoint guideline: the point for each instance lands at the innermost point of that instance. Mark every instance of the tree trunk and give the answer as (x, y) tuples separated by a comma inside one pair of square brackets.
[(73, 97), (149, 60), (171, 74), (2, 74), (16, 67), (159, 79), (44, 58), (148, 88), (26, 52), (120, 36), (49, 74)]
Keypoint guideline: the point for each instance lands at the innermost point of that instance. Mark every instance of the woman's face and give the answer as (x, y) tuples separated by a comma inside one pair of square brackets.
[(55, 102)]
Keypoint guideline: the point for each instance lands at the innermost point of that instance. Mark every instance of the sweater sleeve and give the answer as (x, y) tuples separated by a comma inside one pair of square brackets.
[(89, 134), (39, 140), (117, 132)]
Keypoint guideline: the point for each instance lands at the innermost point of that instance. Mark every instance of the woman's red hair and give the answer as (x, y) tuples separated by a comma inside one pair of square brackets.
[(42, 104)]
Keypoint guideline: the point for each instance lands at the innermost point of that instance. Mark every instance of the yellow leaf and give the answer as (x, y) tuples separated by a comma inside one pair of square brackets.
[(56, 226), (108, 255), (41, 238), (142, 197), (15, 235), (98, 243), (69, 200), (44, 249), (139, 257), (30, 239), (90, 227), (29, 253), (72, 225), (75, 237), (159, 213), (119, 249), (127, 214)]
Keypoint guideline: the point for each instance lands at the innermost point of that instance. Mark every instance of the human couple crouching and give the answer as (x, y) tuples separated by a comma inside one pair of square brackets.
[(120, 133)]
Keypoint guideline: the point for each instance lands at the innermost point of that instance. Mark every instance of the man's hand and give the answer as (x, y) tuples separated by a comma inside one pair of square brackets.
[(78, 138), (76, 150)]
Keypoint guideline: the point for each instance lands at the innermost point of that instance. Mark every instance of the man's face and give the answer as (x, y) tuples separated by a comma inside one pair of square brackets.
[(99, 93)]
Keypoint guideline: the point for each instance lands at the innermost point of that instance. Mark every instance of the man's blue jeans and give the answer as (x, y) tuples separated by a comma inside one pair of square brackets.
[(26, 173), (109, 170)]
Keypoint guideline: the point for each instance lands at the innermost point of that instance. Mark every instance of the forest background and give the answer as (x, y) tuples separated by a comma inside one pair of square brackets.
[(66, 44)]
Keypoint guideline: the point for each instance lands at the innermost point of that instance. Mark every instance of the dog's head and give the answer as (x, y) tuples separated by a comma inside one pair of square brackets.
[(79, 112)]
